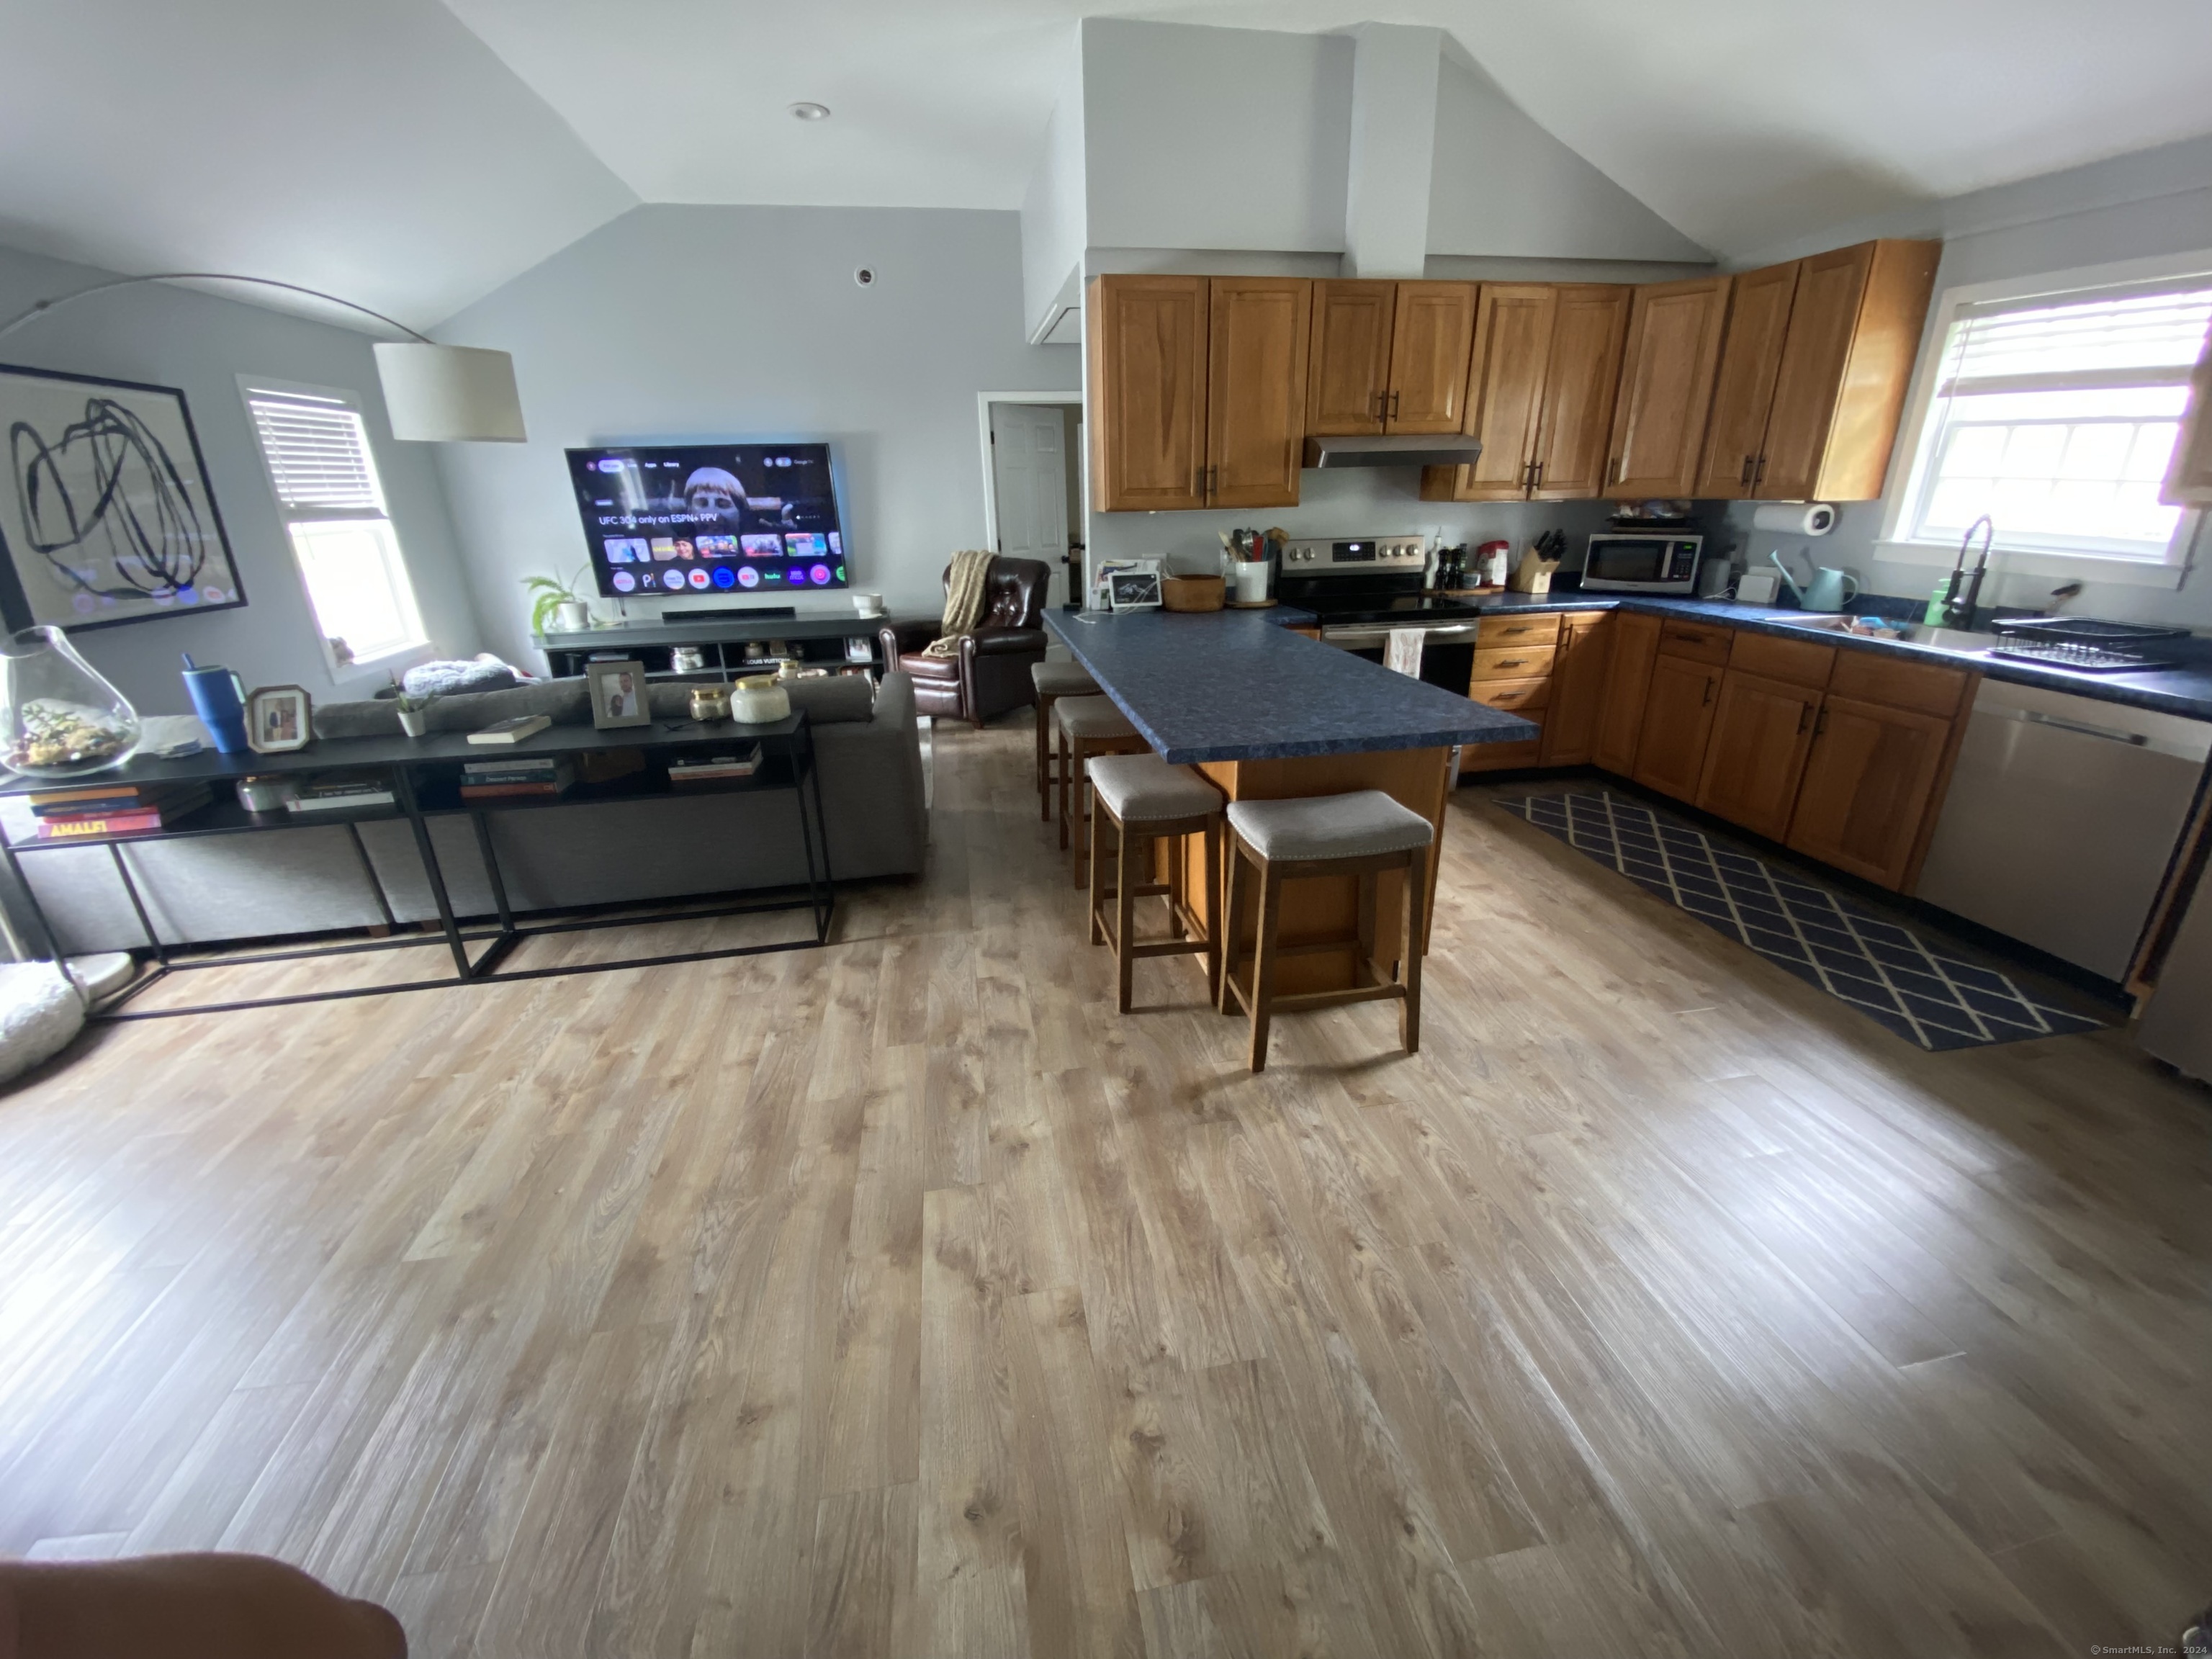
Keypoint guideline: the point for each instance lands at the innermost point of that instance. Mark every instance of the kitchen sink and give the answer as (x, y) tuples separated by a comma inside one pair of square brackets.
[(1960, 642)]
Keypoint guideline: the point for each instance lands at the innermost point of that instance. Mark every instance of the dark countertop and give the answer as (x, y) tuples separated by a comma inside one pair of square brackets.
[(2185, 689), (1233, 685)]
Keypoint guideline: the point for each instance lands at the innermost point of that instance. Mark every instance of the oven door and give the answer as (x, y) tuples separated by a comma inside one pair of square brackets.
[(1641, 564), (1447, 648)]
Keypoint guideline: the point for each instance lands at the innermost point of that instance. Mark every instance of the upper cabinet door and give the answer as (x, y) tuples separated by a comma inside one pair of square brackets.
[(1256, 390), (1743, 390), (2189, 479), (1348, 387), (1846, 364), (1146, 361), (1579, 382), (1666, 387), (1513, 328), (1430, 341)]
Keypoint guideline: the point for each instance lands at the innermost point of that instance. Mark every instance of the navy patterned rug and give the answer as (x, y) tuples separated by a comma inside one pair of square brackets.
[(1926, 991)]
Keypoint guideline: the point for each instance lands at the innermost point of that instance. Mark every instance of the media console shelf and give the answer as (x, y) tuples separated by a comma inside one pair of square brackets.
[(821, 639), (424, 775)]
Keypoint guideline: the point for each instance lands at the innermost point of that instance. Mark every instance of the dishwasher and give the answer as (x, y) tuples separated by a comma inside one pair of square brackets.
[(2062, 818)]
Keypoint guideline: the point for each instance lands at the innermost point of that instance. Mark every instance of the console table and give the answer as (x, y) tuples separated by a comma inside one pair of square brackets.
[(651, 641), (424, 776)]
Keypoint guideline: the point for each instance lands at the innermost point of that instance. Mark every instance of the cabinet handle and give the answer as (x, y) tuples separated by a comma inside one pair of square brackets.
[(1821, 726), (1744, 478), (1382, 404), (1758, 472), (1394, 406), (1212, 482), (1804, 718), (1537, 482), (1708, 697), (1612, 470)]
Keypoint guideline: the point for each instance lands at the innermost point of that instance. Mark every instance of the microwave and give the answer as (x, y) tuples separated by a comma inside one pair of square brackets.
[(1642, 561)]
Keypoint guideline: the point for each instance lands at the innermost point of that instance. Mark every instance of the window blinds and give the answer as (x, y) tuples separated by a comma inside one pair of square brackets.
[(317, 455), (2144, 339)]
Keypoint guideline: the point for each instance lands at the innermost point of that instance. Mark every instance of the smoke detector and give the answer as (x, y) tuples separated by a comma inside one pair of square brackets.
[(810, 111)]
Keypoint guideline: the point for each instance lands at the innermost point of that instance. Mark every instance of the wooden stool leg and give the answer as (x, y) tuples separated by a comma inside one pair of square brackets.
[(1363, 967), (1127, 845), (1409, 962), (1263, 962), (1044, 751), (1088, 809), (1231, 923), (1096, 892), (1211, 836), (1069, 749)]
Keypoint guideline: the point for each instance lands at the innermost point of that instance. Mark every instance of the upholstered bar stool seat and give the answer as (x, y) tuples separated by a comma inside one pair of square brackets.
[(1053, 680), (1087, 726), (1146, 801), (1360, 835)]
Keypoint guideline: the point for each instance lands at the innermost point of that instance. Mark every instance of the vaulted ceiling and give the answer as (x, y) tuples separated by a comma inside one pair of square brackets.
[(414, 154)]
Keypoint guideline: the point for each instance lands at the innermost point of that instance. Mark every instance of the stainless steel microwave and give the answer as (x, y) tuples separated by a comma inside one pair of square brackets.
[(1641, 561)]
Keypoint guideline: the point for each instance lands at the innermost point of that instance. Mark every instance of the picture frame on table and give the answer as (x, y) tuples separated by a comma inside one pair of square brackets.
[(1131, 585), (279, 719), (618, 694)]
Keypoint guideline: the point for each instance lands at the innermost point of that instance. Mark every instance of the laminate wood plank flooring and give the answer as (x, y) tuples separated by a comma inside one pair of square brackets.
[(899, 1298)]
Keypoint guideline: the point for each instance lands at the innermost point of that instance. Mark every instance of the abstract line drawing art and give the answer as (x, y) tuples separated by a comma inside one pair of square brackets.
[(105, 515)]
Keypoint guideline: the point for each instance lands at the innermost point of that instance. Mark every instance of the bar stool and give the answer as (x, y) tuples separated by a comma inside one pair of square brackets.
[(1148, 801), (1054, 680), (1361, 834), (1088, 727)]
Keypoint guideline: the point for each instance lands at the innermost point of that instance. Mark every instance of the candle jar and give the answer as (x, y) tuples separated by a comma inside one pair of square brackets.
[(61, 720), (709, 702)]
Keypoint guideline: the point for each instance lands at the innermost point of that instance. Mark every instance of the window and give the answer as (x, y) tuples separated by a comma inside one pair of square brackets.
[(2056, 415), (324, 477)]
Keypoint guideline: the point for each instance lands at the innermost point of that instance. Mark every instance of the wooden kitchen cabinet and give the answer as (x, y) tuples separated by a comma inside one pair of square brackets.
[(1389, 357), (1666, 387), (1762, 731), (1540, 392), (1870, 782), (1632, 649), (1577, 700), (2189, 478), (1743, 386), (1678, 723), (1146, 359), (1256, 390), (1854, 325)]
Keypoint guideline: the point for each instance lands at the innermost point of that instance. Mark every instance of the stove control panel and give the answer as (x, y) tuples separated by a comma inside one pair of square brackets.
[(1364, 555)]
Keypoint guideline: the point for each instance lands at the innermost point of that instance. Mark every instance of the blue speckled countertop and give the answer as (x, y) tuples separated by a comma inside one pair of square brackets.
[(2185, 689), (1232, 685)]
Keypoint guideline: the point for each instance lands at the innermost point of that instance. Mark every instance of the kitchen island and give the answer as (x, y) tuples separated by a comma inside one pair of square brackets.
[(1269, 714)]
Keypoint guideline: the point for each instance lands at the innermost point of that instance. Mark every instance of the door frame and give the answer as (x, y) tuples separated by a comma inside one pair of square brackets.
[(983, 401)]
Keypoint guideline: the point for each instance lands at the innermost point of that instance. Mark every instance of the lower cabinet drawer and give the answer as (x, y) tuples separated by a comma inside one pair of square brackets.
[(1513, 662), (1505, 757), (1519, 631), (1698, 641), (1519, 696)]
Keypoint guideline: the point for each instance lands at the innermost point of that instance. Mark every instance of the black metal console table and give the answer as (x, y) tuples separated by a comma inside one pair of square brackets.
[(722, 640), (424, 775)]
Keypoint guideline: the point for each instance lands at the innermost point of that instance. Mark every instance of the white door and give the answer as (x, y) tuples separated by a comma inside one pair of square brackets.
[(1029, 482)]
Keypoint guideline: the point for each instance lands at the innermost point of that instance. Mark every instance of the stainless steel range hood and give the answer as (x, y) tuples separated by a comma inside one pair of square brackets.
[(1445, 449)]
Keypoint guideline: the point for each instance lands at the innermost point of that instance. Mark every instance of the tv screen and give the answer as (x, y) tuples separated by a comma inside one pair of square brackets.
[(727, 520)]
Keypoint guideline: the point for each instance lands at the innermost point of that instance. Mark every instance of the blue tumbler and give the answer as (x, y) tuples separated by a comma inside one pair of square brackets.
[(219, 700)]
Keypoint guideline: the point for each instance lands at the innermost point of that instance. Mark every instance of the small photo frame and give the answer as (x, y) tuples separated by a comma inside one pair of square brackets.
[(618, 695), (1136, 588), (279, 719)]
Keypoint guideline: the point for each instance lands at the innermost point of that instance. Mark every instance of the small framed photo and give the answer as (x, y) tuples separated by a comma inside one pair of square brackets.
[(1135, 588), (618, 697), (278, 719)]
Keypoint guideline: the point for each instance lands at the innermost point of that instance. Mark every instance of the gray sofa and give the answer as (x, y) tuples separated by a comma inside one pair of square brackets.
[(310, 880)]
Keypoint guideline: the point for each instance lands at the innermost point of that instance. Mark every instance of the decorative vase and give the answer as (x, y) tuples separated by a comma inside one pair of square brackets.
[(758, 700), (572, 617), (415, 721), (63, 720)]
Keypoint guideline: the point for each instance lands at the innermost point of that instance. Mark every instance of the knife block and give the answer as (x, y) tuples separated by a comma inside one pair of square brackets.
[(1533, 574)]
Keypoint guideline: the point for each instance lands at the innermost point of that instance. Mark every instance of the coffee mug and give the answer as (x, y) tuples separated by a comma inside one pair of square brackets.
[(868, 604)]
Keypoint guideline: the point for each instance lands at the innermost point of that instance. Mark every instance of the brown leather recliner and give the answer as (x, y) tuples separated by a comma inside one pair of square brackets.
[(991, 674)]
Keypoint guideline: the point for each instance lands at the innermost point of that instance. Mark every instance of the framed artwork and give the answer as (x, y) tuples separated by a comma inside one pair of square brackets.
[(619, 696), (278, 719), (1134, 589), (105, 515)]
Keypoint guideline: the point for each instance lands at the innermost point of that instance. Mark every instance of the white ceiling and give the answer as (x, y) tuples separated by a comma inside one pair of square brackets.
[(381, 149)]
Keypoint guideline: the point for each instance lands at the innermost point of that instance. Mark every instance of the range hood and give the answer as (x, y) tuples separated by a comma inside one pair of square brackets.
[(1445, 449)]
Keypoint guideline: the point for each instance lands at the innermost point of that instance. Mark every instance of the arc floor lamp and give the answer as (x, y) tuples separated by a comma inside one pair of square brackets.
[(433, 393)]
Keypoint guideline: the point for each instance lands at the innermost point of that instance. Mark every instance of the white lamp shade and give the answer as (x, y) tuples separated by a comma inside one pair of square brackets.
[(444, 394)]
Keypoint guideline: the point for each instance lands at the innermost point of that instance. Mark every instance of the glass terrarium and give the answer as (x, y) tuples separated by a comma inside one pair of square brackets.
[(63, 720)]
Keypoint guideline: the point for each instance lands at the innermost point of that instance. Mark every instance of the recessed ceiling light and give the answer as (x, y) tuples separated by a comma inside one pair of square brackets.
[(811, 112)]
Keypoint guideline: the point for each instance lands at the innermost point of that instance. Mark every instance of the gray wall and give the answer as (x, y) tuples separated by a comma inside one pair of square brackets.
[(168, 335), (691, 324)]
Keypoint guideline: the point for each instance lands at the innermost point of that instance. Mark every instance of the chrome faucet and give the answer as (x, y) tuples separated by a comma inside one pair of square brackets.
[(1961, 597)]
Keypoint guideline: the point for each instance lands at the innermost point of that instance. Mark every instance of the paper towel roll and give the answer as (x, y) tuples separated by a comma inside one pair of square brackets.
[(1795, 517)]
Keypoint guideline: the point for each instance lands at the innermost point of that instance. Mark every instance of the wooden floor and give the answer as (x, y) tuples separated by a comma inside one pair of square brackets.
[(899, 1298)]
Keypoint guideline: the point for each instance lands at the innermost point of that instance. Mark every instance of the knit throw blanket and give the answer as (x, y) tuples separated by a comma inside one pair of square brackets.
[(964, 602)]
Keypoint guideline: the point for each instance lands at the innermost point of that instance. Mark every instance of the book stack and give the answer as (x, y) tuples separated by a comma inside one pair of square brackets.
[(711, 768), (340, 793), (115, 809), (520, 774)]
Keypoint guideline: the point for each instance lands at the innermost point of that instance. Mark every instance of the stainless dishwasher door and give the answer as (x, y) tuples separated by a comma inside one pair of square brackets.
[(2061, 816)]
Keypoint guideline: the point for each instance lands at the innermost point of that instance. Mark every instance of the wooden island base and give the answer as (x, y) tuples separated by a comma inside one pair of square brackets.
[(1316, 908)]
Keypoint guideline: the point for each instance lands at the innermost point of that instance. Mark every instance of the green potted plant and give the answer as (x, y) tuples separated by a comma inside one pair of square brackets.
[(561, 603), (415, 713)]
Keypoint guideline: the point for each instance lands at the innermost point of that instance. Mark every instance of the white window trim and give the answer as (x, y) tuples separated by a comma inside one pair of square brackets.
[(1890, 546), (360, 670)]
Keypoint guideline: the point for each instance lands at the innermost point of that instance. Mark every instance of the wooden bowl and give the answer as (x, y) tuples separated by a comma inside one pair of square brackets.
[(1192, 593)]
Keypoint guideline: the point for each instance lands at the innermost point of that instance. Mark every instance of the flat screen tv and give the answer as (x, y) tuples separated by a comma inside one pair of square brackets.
[(733, 520)]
